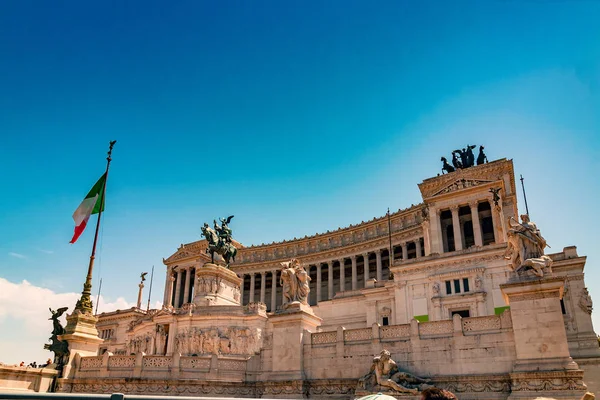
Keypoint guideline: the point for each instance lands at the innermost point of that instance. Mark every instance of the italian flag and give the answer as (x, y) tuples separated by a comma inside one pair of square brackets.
[(90, 205)]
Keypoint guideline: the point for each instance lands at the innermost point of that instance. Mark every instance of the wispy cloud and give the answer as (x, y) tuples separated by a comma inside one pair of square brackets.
[(16, 255), (45, 251), (24, 307)]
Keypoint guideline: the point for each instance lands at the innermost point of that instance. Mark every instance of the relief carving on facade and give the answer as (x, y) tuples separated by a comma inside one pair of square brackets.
[(585, 301), (234, 340)]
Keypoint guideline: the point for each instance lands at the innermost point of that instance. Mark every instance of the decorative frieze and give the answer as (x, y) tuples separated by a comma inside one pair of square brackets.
[(436, 328), (121, 362), (91, 363), (480, 324), (194, 363), (394, 331), (351, 335), (157, 362), (324, 337)]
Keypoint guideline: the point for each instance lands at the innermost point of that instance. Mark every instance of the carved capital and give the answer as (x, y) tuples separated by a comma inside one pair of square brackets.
[(474, 204), (454, 208)]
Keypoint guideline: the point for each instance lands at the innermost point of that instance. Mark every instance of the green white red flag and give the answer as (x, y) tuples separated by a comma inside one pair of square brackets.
[(90, 205)]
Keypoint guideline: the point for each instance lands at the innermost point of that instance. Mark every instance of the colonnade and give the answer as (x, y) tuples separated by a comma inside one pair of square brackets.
[(473, 224), (180, 286), (329, 277)]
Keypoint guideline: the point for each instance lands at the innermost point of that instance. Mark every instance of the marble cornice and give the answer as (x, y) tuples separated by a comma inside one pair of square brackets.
[(403, 223), (356, 249), (466, 271), (433, 263)]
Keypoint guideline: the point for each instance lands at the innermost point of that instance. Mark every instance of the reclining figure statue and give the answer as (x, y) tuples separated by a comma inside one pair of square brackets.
[(385, 373)]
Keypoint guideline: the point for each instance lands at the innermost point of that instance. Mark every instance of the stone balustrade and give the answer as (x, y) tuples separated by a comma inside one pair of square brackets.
[(424, 330), (167, 367)]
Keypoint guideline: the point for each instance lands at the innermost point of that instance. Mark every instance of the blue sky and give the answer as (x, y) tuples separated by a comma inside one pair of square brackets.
[(296, 117)]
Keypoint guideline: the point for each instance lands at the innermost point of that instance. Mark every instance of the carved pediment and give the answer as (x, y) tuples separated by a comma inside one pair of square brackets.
[(460, 184), (469, 177)]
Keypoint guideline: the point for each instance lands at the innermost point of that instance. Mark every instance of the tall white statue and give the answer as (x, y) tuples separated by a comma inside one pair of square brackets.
[(295, 282), (526, 246)]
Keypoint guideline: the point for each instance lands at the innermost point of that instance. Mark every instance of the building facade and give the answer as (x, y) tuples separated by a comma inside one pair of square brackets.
[(431, 283)]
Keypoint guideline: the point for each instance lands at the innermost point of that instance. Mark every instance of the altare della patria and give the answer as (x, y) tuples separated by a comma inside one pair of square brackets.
[(458, 292)]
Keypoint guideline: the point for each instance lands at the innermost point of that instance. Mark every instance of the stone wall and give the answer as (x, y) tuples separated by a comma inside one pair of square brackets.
[(26, 379), (477, 345)]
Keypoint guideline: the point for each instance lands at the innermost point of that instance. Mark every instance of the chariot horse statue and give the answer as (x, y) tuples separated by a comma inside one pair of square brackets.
[(220, 242)]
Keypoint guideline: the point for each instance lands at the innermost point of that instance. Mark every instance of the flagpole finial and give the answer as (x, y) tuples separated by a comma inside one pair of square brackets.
[(110, 147)]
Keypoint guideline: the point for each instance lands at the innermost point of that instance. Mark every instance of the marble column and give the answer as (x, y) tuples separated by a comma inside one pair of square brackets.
[(418, 247), (342, 276), (496, 224), (354, 278), (476, 225), (366, 267), (171, 288), (263, 285), (242, 289), (379, 267), (330, 280), (252, 284), (186, 288), (318, 283), (177, 289), (456, 229), (274, 290), (436, 239), (167, 288), (404, 251)]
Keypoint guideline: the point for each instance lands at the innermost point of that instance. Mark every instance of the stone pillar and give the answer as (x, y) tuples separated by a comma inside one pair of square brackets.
[(319, 283), (354, 278), (252, 284), (274, 290), (177, 289), (426, 237), (167, 289), (540, 340), (456, 228), (263, 285), (366, 267), (418, 247), (171, 288), (330, 280), (242, 289), (404, 251), (476, 224), (379, 267), (139, 301), (437, 242), (342, 275), (186, 288), (496, 224), (291, 336)]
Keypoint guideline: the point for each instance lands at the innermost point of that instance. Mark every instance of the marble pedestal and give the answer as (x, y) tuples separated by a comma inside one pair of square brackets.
[(216, 286), (289, 330), (82, 336), (544, 366)]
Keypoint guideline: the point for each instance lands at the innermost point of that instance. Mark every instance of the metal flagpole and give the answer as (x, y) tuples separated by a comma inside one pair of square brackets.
[(84, 304), (150, 291), (98, 297), (391, 250), (524, 195)]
